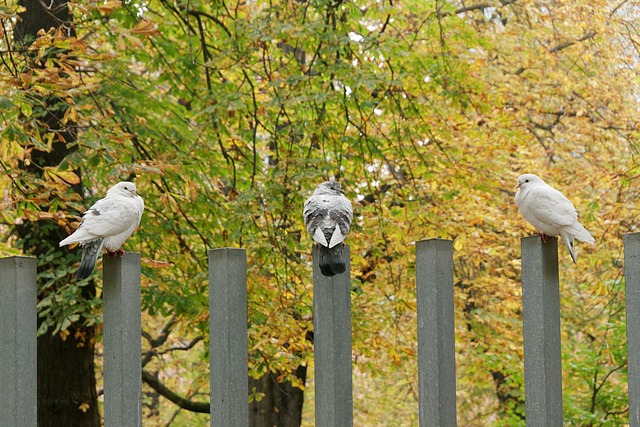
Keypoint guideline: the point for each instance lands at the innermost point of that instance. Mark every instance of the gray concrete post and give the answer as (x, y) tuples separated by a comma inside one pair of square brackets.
[(122, 335), (632, 303), (332, 345), (541, 325), (436, 335), (18, 351), (228, 337)]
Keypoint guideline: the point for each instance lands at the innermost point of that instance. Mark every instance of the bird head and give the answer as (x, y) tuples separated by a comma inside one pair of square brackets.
[(124, 188), (329, 187), (528, 178)]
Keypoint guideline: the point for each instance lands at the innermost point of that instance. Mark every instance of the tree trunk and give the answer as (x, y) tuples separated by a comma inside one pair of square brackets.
[(66, 378), (66, 382), (281, 405)]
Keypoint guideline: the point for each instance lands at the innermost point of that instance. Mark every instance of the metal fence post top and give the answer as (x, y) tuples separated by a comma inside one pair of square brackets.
[(437, 241), (314, 246), (230, 249), (434, 239), (539, 237), (18, 257), (126, 254), (632, 235), (536, 242)]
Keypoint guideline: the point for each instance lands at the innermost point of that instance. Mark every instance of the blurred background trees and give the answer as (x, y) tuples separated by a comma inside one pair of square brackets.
[(228, 114)]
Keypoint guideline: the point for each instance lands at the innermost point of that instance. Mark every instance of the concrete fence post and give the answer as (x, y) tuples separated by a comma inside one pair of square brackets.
[(632, 303), (228, 337), (436, 335), (122, 337), (18, 351), (541, 325), (332, 345)]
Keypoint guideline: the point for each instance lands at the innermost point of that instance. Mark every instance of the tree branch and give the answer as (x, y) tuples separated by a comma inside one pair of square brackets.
[(157, 342), (255, 125), (557, 48), (205, 52), (197, 13), (189, 346), (615, 9), (189, 405), (465, 9), (155, 383), (561, 46), (473, 7)]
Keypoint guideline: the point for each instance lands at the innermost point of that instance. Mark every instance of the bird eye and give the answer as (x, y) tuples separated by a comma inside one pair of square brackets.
[(526, 180)]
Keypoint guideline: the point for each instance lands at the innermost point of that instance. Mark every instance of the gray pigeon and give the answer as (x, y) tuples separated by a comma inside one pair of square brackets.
[(106, 225), (550, 212), (327, 216)]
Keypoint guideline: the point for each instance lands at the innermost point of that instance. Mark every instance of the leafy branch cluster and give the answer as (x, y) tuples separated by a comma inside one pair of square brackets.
[(228, 114)]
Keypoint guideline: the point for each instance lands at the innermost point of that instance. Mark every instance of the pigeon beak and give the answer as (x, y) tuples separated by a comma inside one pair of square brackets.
[(518, 185)]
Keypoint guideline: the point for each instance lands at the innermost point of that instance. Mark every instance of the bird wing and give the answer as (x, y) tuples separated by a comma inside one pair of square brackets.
[(107, 217), (313, 214), (342, 214), (549, 206)]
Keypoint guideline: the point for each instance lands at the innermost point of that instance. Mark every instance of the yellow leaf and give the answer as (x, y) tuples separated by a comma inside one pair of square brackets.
[(393, 354), (64, 334), (63, 177), (121, 44), (458, 244), (134, 41)]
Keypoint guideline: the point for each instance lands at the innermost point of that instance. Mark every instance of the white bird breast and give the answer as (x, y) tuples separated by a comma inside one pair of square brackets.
[(124, 216)]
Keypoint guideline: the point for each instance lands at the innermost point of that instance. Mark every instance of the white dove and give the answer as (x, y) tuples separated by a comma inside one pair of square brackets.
[(106, 225), (550, 212), (327, 216)]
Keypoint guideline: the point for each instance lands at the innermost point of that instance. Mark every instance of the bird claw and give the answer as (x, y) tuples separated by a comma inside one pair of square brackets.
[(119, 252), (543, 236)]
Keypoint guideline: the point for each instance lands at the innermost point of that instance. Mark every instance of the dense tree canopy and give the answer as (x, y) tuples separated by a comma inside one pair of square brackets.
[(228, 114)]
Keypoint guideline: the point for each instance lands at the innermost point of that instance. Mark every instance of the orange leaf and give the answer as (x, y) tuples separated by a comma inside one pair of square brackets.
[(146, 27), (151, 263), (109, 6)]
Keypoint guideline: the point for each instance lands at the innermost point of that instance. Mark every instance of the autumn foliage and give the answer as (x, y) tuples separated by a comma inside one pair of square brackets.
[(228, 114)]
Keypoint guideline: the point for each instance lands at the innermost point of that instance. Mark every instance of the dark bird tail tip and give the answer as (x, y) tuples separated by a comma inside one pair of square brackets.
[(338, 268), (84, 272), (331, 261), (326, 271)]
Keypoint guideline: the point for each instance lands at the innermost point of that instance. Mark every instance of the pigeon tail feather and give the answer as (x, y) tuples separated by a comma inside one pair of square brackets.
[(90, 252), (581, 233), (567, 237), (331, 261), (337, 237), (319, 237)]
